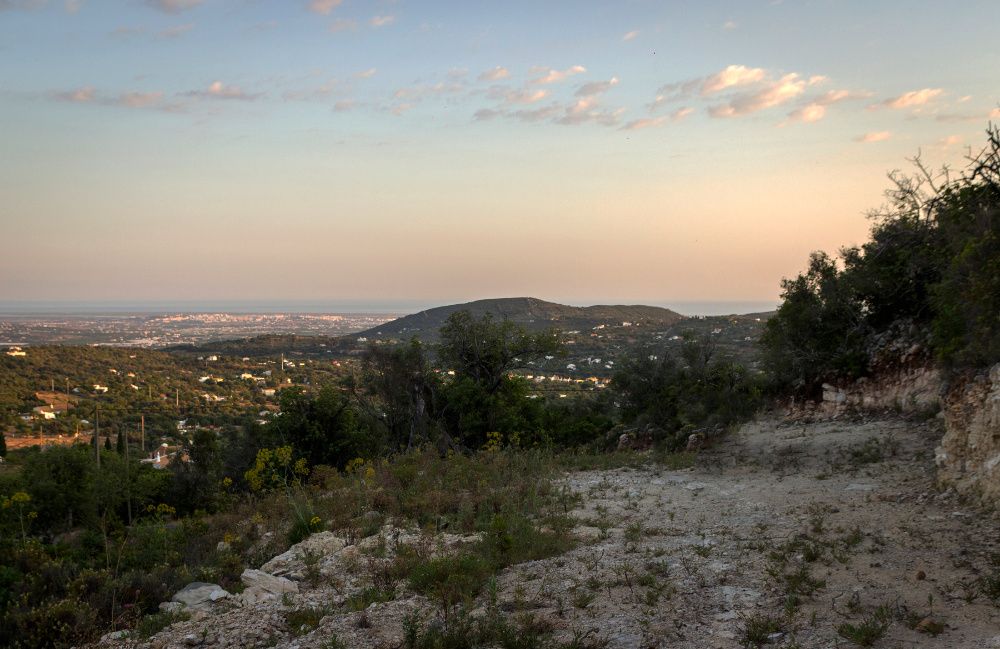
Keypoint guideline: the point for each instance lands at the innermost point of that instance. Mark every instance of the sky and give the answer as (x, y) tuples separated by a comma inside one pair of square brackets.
[(434, 152)]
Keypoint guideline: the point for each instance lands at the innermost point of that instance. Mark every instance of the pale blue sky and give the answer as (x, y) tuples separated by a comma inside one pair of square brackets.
[(297, 149)]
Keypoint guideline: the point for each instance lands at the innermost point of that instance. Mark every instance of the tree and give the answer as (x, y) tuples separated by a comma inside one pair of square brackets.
[(399, 390), (61, 481), (484, 396), (487, 351), (679, 398), (929, 274), (321, 428), (3, 445), (818, 331)]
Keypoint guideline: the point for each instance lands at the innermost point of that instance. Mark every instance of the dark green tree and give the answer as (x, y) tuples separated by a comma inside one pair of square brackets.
[(399, 391), (321, 428), (485, 396)]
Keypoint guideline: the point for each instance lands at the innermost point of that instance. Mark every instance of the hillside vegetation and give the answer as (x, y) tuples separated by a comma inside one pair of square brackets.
[(531, 313), (927, 284)]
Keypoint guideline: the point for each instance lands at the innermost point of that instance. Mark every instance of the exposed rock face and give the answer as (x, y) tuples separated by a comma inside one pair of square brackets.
[(969, 454), (909, 390)]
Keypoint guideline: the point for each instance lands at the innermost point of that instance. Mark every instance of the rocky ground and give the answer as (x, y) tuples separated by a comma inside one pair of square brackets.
[(828, 534)]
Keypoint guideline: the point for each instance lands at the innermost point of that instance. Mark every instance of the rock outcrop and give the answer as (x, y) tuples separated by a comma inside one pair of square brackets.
[(915, 389), (197, 595), (969, 455)]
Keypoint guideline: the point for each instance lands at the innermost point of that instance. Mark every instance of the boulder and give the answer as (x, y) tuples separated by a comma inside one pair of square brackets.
[(321, 544), (199, 594), (263, 582)]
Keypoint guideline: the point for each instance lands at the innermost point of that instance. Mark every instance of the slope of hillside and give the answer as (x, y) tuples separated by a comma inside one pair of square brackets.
[(826, 534), (529, 312)]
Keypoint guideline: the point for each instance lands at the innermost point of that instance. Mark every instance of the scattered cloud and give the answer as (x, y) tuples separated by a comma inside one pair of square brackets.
[(517, 96), (366, 74), (581, 111), (382, 21), (344, 105), (314, 94), (911, 99), (219, 90), (140, 99), (766, 95), (731, 77), (729, 25), (323, 7), (808, 114), (537, 114), (815, 108), (596, 87), (949, 141), (343, 25), (586, 110), (555, 76), (399, 109), (73, 6), (173, 6), (88, 95), (654, 122), (495, 74), (486, 114), (644, 122), (83, 95), (630, 35), (874, 136), (994, 114)]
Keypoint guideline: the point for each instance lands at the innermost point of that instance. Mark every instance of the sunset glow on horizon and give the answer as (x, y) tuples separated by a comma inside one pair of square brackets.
[(574, 151)]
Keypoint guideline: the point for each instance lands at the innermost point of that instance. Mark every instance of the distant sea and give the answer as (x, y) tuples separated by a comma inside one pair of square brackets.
[(119, 308)]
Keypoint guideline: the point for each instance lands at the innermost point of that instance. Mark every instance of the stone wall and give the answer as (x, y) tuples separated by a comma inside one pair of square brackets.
[(969, 455)]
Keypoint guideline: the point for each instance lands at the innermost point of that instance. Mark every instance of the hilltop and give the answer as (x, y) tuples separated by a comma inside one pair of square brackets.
[(531, 313)]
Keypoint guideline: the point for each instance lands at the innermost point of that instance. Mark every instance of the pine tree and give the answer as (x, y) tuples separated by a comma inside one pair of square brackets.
[(120, 444), (3, 445)]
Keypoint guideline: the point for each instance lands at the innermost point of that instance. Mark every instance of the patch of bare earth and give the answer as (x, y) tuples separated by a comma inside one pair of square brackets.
[(827, 534)]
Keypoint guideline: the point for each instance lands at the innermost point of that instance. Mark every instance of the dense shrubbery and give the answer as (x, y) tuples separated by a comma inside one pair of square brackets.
[(929, 276), (678, 397)]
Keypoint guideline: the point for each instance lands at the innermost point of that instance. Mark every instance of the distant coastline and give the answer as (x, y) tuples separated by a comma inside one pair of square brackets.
[(25, 308)]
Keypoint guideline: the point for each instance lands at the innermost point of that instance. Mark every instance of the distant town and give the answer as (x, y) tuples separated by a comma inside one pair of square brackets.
[(158, 330)]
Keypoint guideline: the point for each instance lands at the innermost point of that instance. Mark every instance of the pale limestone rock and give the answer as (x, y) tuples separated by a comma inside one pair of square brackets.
[(262, 581), (199, 594), (322, 544)]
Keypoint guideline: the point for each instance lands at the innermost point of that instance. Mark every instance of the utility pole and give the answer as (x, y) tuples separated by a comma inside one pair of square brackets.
[(177, 398), (97, 434), (128, 486), (142, 432)]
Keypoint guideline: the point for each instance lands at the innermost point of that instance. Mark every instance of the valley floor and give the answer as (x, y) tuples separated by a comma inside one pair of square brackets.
[(827, 534)]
